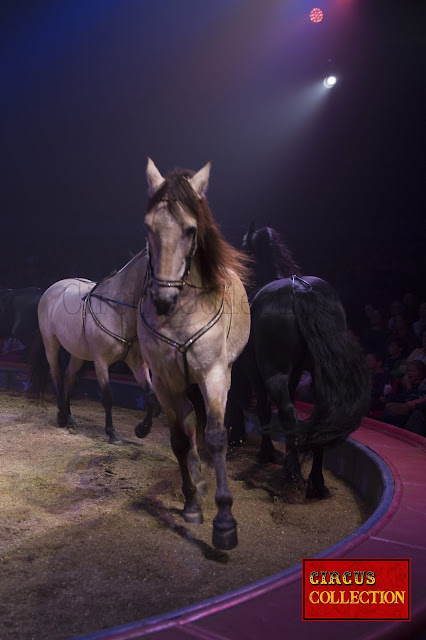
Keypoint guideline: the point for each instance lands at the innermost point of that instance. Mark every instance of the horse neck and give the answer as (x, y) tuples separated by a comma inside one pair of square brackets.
[(128, 282)]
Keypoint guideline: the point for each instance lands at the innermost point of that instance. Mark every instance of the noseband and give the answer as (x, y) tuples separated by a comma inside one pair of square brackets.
[(179, 284)]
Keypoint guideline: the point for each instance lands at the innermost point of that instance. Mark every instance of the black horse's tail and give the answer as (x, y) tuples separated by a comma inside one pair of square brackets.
[(338, 367), (40, 370)]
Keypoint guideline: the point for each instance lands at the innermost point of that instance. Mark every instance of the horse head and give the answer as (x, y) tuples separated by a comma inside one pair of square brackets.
[(172, 230)]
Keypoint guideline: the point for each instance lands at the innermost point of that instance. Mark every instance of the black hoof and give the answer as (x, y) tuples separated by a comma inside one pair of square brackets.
[(113, 440), (70, 421), (225, 540), (263, 457), (317, 493), (193, 517), (142, 429)]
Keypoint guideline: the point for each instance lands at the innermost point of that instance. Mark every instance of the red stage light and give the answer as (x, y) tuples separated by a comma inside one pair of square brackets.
[(316, 15)]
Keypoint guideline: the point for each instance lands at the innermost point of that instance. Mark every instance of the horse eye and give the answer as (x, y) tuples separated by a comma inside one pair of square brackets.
[(190, 231)]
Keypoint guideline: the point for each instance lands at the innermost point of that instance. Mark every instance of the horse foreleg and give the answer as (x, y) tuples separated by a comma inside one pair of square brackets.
[(178, 411), (267, 452), (141, 372), (194, 461), (214, 389), (101, 368), (316, 487)]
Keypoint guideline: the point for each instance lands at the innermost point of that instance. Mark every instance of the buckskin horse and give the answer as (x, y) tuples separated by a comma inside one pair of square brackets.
[(193, 322), (95, 322)]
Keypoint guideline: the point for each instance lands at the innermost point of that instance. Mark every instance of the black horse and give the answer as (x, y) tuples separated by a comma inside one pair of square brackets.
[(18, 314), (297, 324)]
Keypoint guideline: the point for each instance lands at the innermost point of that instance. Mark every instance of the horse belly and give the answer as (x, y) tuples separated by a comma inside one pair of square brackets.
[(60, 316)]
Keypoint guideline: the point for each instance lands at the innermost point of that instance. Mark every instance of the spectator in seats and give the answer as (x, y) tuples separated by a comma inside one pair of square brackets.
[(420, 324), (401, 405), (420, 352), (380, 381), (416, 421), (375, 338), (368, 312), (396, 309), (394, 363), (410, 306), (401, 329)]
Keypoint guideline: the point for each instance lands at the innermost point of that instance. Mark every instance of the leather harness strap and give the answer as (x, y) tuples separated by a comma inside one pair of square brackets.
[(87, 304)]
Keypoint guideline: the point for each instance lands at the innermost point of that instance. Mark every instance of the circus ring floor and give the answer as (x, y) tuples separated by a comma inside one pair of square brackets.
[(388, 467)]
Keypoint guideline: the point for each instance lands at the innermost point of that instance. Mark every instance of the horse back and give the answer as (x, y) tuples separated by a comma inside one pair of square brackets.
[(60, 310), (275, 336)]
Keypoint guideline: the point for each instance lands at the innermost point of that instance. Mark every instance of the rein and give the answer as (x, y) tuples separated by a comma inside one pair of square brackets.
[(87, 304)]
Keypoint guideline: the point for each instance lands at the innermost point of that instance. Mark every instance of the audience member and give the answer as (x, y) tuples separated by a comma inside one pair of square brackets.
[(374, 339), (380, 381), (420, 352), (410, 306), (412, 396), (394, 363), (420, 324), (396, 309), (401, 329)]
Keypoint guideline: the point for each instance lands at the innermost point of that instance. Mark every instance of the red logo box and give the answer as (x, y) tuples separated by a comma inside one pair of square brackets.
[(350, 589)]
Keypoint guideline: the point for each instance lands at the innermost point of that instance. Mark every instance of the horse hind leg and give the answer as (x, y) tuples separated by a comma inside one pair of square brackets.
[(316, 487), (278, 387), (102, 374), (71, 371), (52, 348)]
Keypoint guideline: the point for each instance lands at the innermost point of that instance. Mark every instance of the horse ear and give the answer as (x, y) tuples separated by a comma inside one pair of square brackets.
[(249, 235), (154, 177), (200, 180)]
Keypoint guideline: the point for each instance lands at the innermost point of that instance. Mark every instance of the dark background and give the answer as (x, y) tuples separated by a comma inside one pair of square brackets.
[(90, 88)]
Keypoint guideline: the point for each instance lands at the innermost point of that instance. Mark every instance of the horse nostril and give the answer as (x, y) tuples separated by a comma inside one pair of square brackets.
[(162, 307)]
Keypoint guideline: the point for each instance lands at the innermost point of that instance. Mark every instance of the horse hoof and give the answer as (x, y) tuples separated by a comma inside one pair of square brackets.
[(70, 421), (113, 440), (142, 429), (317, 493), (264, 457), (225, 540), (193, 517)]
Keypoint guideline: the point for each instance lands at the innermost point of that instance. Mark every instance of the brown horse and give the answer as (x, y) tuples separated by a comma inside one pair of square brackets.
[(194, 321)]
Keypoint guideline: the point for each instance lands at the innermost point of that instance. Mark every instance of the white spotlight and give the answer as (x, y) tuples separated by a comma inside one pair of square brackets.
[(330, 81)]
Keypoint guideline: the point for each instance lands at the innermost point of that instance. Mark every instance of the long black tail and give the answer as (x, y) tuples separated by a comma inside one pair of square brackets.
[(339, 372), (40, 371)]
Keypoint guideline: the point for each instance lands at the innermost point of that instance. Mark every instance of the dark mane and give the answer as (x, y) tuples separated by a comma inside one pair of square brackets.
[(273, 259), (214, 254)]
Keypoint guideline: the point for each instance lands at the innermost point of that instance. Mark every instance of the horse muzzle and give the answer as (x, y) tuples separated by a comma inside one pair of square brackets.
[(164, 300)]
